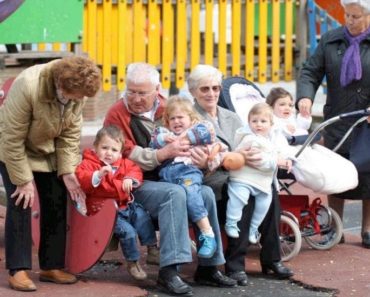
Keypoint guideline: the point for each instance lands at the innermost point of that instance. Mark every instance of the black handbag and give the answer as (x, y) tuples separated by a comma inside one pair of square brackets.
[(359, 152)]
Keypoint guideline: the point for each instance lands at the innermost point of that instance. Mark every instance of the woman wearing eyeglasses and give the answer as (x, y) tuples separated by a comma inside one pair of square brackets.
[(204, 84)]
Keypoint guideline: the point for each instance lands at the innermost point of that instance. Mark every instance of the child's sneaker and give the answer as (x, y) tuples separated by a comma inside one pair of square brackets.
[(254, 236), (208, 246), (232, 230), (135, 270), (153, 255)]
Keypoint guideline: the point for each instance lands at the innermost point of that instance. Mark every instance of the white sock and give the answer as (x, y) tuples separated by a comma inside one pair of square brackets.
[(208, 232)]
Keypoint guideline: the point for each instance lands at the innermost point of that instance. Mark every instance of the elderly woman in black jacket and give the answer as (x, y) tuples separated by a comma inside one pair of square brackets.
[(343, 56)]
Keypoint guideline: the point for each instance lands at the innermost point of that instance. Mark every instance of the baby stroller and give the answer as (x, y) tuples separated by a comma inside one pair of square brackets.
[(318, 224)]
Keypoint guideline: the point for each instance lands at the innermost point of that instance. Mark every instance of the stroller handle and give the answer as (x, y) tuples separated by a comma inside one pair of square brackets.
[(356, 114), (362, 114)]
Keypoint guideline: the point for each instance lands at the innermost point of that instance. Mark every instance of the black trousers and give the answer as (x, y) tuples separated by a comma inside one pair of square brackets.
[(18, 237), (236, 250)]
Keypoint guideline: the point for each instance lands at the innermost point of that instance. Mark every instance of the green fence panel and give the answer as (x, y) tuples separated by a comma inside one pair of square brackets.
[(37, 21)]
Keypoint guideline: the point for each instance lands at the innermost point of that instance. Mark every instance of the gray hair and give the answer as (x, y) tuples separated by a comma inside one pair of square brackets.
[(365, 4), (142, 72), (201, 72)]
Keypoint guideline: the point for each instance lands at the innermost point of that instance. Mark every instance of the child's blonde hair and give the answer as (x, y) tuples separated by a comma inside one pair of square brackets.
[(261, 108), (112, 132), (176, 102)]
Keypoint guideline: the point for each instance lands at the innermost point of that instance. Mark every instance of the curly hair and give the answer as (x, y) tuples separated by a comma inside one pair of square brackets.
[(77, 74), (176, 102)]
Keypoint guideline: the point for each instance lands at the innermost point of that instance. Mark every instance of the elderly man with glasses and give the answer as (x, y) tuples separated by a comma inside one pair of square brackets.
[(137, 114)]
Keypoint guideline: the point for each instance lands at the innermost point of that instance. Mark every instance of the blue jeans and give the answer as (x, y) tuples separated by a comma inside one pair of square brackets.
[(132, 222), (166, 203), (190, 178)]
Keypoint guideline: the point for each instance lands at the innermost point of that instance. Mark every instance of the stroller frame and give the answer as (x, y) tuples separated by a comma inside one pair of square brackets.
[(319, 225)]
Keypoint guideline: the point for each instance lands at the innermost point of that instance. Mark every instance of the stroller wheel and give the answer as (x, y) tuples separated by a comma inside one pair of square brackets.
[(290, 238), (331, 229)]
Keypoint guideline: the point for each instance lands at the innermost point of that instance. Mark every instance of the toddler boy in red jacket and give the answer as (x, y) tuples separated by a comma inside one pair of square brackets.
[(104, 174)]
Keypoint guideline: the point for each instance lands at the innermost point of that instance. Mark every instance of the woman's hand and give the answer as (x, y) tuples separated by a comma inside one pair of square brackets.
[(178, 148), (73, 186), (304, 107), (252, 156), (199, 156), (25, 192), (127, 185)]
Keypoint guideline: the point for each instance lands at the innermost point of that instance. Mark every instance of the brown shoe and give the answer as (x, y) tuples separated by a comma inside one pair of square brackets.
[(153, 255), (135, 270), (57, 276), (21, 282)]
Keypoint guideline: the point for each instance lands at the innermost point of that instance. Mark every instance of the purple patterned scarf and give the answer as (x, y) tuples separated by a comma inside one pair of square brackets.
[(351, 64)]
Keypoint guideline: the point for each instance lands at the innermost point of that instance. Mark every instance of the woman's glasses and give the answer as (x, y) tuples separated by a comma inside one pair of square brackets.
[(206, 89)]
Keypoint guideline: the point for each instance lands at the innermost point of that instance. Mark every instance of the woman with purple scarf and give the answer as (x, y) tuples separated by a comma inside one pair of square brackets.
[(343, 56)]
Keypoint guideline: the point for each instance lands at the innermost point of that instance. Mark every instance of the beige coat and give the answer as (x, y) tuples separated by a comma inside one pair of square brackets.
[(36, 132)]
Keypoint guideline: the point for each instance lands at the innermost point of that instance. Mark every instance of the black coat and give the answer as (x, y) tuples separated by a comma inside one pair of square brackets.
[(327, 60)]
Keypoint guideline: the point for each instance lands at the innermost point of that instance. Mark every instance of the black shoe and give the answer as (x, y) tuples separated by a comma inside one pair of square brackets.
[(278, 270), (240, 276), (366, 240), (213, 277), (174, 285)]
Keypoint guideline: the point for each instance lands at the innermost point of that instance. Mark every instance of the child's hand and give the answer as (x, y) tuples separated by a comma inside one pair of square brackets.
[(285, 164), (104, 171), (290, 128), (169, 138), (127, 185)]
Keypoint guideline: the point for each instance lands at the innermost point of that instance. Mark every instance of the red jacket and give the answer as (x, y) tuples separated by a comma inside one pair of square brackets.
[(119, 116), (110, 186)]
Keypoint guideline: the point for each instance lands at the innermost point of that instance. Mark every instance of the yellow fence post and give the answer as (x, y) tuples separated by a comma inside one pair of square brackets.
[(154, 33), (91, 26), (99, 34), (235, 41), (121, 64), (195, 33), (275, 61), (288, 56), (107, 43), (262, 45), (181, 42), (139, 39), (208, 46), (222, 45), (167, 41), (249, 40)]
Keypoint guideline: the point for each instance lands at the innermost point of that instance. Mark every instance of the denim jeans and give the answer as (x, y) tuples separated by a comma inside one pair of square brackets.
[(132, 222), (166, 203), (190, 178)]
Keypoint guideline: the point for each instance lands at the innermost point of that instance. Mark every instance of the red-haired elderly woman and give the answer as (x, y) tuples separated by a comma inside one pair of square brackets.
[(343, 56), (40, 127)]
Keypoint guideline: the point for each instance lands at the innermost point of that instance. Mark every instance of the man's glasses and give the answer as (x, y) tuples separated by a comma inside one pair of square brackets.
[(206, 89), (132, 94)]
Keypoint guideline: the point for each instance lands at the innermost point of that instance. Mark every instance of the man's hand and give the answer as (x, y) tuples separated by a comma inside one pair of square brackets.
[(178, 148), (25, 192), (304, 107), (127, 185), (73, 186)]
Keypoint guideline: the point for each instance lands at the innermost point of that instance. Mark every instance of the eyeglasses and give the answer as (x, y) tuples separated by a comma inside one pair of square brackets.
[(130, 93), (206, 89)]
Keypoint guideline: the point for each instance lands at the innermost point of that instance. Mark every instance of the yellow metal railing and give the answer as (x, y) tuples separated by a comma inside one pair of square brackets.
[(250, 38)]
